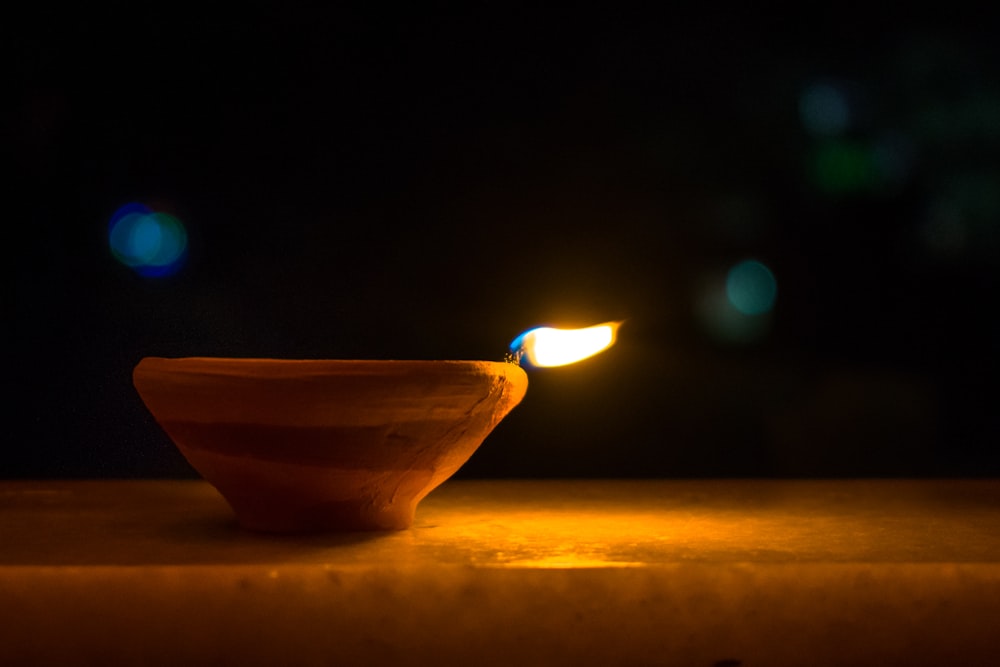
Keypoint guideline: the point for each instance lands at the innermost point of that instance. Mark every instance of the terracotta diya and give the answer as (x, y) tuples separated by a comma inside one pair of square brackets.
[(314, 445)]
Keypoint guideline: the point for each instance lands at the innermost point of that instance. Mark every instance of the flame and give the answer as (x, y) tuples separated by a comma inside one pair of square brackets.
[(545, 346)]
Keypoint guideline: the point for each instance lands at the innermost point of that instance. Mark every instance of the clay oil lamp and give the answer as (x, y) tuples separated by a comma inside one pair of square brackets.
[(340, 445)]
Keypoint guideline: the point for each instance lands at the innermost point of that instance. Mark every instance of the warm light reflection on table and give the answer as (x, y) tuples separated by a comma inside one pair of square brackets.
[(574, 572)]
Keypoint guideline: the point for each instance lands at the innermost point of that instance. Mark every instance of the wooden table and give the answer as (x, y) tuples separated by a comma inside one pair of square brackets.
[(511, 572)]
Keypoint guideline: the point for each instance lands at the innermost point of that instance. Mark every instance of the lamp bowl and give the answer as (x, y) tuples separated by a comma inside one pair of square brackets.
[(327, 445)]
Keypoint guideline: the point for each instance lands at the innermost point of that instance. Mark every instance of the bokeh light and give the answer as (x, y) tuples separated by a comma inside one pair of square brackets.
[(824, 109), (720, 319), (734, 307), (893, 157), (843, 168), (751, 287), (152, 243)]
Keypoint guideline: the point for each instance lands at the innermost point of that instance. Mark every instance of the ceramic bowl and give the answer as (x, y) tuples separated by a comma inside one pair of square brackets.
[(327, 445)]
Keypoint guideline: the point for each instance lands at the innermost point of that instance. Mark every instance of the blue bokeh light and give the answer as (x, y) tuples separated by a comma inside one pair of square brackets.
[(153, 244)]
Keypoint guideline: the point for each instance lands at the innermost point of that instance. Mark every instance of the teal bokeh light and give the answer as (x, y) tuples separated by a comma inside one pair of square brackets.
[(824, 109), (751, 287), (153, 244)]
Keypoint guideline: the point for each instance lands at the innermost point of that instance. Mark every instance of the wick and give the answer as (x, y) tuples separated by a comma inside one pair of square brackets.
[(514, 357)]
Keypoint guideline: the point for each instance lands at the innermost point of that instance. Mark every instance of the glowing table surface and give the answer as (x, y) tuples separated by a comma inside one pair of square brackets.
[(538, 572)]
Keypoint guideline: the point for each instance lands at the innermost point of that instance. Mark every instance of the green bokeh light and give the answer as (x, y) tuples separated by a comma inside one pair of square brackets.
[(843, 168)]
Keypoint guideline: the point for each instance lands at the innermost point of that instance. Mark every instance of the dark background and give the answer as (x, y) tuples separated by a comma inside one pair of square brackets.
[(417, 185)]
